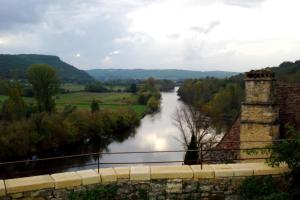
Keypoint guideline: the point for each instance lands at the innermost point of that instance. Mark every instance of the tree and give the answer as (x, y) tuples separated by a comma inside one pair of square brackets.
[(45, 84), (133, 88), (94, 106), (195, 131), (14, 107)]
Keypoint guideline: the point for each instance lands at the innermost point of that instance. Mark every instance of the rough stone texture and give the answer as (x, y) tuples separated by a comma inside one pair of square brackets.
[(21, 184), (171, 172)]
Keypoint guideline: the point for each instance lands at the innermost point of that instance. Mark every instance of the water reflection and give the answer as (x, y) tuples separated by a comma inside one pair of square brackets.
[(156, 133)]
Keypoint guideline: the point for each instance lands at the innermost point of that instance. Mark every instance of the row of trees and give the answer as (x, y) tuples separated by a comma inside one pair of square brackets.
[(28, 128), (149, 94)]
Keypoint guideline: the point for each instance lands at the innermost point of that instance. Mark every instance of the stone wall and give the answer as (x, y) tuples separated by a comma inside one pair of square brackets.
[(215, 181)]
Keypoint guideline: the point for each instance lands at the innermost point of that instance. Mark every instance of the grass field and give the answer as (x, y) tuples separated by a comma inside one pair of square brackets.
[(82, 100)]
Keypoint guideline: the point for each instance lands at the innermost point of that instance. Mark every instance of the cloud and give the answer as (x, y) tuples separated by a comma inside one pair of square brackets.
[(206, 30), (192, 34)]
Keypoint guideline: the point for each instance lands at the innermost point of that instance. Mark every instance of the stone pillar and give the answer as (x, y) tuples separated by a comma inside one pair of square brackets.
[(259, 113)]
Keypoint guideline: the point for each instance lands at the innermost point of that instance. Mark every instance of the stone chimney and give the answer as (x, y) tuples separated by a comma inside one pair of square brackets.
[(259, 114)]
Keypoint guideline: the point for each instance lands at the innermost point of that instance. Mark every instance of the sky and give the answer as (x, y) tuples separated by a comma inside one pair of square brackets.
[(228, 35)]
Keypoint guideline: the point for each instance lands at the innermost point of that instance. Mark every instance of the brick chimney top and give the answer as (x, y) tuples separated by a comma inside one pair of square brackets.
[(262, 73)]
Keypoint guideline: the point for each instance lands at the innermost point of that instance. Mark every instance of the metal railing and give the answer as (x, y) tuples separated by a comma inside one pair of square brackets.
[(205, 156)]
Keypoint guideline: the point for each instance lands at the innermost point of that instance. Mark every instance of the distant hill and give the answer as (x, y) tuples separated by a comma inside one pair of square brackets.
[(287, 71), (15, 66), (171, 74)]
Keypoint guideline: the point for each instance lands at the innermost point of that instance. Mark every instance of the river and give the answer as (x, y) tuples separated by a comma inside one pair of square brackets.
[(155, 133)]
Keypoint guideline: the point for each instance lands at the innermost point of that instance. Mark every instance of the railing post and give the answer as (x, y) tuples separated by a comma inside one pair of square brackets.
[(201, 154), (98, 160)]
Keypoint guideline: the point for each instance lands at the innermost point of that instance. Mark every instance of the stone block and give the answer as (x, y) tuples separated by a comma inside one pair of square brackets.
[(19, 185), (89, 177), (171, 172), (222, 170), (240, 169), (66, 179), (2, 188), (107, 175), (264, 169), (140, 173), (122, 172), (204, 173)]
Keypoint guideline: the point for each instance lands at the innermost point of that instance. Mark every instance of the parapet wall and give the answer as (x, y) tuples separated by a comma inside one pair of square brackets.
[(216, 181)]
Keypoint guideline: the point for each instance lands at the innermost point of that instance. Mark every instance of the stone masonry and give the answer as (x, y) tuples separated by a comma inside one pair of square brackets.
[(215, 181), (259, 113)]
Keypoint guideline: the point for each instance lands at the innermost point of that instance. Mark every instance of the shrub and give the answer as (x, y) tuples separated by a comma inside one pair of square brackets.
[(261, 188)]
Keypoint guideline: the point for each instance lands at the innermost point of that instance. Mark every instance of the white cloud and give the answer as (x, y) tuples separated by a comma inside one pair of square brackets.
[(196, 34)]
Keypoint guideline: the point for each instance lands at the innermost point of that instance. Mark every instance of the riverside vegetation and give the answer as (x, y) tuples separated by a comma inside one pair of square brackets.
[(49, 121)]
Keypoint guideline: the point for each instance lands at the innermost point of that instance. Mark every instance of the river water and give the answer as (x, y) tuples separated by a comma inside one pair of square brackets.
[(155, 133)]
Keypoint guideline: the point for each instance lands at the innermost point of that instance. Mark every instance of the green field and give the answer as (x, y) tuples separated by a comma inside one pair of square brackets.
[(82, 100)]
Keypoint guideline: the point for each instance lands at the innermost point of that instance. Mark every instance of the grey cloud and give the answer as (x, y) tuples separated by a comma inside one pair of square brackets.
[(207, 29), (17, 12)]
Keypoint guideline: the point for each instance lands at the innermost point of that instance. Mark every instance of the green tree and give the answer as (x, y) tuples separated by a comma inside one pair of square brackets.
[(94, 106), (153, 104), (45, 84), (133, 88), (14, 107)]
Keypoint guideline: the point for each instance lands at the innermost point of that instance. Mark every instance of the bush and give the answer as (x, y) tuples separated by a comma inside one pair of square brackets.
[(153, 104), (261, 188)]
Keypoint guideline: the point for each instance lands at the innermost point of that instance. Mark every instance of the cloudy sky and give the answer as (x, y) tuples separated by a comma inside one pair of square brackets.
[(234, 35)]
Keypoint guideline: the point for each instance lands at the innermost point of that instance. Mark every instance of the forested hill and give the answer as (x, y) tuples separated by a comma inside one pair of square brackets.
[(287, 71), (171, 74), (15, 66)]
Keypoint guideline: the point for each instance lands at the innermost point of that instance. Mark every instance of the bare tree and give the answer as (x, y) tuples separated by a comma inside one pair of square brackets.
[(196, 131)]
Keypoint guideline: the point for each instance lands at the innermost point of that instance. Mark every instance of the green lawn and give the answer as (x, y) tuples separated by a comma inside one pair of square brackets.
[(82, 100)]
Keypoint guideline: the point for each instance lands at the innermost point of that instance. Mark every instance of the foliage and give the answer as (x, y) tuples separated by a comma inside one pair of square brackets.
[(286, 150), (42, 131), (95, 87), (218, 99), (132, 88), (45, 84), (16, 66), (153, 104), (94, 106), (261, 188), (166, 85), (191, 157), (14, 107), (149, 95)]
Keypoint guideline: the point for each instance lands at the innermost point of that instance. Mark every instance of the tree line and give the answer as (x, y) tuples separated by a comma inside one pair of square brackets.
[(29, 128)]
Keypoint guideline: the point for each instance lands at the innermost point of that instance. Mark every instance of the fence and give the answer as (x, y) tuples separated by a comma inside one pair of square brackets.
[(206, 155)]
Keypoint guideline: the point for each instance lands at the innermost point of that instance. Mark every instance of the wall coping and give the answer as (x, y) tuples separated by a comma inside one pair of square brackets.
[(136, 173)]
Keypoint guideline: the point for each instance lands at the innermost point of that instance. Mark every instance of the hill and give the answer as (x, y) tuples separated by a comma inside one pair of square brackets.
[(287, 71), (15, 66), (171, 74)]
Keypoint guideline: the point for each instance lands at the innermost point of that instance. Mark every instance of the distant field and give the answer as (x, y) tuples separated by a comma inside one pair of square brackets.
[(72, 87), (82, 100)]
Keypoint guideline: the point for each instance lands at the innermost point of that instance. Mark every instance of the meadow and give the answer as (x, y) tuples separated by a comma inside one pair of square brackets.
[(82, 100)]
